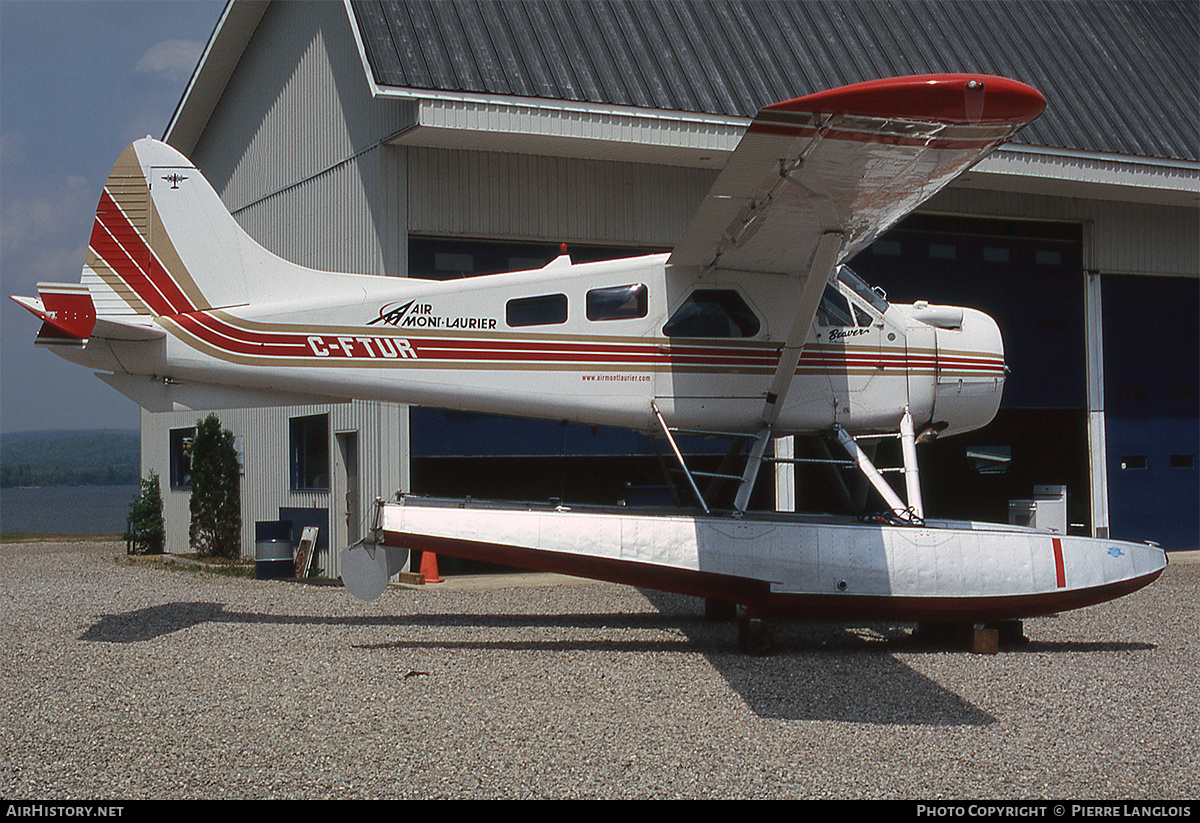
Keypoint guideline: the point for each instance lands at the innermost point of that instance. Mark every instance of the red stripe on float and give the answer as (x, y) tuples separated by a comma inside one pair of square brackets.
[(1059, 568)]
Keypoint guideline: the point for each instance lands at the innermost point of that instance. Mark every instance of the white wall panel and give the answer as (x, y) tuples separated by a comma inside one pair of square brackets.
[(522, 196)]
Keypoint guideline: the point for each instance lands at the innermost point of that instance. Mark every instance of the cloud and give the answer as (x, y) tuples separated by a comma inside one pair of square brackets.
[(173, 60), (44, 230)]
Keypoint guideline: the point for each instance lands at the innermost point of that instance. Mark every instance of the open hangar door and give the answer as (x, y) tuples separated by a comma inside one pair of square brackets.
[(1029, 277), (1152, 414)]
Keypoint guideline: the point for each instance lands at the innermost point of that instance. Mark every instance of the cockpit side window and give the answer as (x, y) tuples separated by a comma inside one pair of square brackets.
[(871, 296), (834, 309), (713, 313)]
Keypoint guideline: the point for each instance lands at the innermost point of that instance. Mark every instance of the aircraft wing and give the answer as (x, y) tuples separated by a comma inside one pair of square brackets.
[(850, 161)]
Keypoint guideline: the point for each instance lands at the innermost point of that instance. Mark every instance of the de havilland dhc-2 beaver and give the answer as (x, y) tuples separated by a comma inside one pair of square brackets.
[(752, 328)]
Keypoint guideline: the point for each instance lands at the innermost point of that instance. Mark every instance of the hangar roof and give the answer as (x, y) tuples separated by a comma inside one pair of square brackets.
[(1119, 76), (676, 81)]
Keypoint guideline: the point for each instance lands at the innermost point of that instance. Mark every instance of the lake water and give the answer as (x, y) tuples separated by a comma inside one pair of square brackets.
[(66, 509)]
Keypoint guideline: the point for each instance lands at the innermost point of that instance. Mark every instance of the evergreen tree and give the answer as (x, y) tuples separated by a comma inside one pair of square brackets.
[(145, 530), (215, 503)]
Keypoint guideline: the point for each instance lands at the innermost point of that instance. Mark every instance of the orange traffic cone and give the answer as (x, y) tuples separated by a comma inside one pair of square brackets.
[(429, 567)]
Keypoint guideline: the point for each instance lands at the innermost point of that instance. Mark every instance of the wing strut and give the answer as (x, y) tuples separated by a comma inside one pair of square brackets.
[(679, 456), (824, 259)]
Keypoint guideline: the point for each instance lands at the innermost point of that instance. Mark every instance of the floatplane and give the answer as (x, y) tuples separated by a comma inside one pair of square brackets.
[(752, 328)]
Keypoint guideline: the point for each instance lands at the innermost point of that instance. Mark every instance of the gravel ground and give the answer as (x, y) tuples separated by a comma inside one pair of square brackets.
[(141, 681)]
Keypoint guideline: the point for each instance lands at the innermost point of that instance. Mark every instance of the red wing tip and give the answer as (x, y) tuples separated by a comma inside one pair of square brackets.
[(972, 99)]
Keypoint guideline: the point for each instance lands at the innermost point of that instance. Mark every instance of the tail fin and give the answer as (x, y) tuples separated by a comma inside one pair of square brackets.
[(163, 243)]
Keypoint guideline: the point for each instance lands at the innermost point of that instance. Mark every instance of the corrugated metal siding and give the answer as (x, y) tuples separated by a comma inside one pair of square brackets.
[(513, 196), (297, 131), (516, 196), (1120, 76), (327, 222)]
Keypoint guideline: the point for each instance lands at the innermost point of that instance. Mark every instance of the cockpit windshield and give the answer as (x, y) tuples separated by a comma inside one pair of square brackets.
[(873, 297)]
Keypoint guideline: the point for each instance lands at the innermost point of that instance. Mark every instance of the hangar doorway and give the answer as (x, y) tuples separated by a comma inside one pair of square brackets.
[(1151, 408), (1029, 277)]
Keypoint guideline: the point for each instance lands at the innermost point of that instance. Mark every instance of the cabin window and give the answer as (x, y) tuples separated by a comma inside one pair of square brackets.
[(617, 303), (181, 457), (309, 446), (713, 313), (544, 310)]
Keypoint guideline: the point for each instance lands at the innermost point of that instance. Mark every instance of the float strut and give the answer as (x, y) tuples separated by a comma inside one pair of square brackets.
[(912, 477)]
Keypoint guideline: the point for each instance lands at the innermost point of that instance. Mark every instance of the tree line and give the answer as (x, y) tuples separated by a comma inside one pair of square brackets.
[(70, 459)]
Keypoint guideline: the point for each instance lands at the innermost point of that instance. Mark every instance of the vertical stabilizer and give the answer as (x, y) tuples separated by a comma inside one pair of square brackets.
[(163, 243)]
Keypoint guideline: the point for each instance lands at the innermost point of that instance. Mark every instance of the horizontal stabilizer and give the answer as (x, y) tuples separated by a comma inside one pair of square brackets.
[(111, 328), (158, 395), (65, 309)]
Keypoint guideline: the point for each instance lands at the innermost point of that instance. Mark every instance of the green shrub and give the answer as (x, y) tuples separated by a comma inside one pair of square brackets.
[(215, 503), (144, 528)]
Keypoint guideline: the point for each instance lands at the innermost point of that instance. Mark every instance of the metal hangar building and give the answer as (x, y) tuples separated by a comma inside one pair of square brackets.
[(450, 138)]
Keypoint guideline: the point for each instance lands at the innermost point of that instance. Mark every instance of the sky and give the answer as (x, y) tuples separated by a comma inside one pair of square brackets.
[(79, 81)]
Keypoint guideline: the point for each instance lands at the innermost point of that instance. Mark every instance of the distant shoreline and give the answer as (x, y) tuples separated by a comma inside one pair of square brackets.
[(70, 459)]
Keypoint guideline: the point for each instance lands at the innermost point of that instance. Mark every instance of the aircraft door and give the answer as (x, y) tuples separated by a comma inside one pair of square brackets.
[(850, 348), (717, 362)]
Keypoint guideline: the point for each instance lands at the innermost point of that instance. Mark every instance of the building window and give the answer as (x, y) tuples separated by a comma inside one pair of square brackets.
[(617, 303), (1134, 462), (309, 446), (181, 457), (450, 266), (1183, 461), (545, 310), (713, 313), (990, 459)]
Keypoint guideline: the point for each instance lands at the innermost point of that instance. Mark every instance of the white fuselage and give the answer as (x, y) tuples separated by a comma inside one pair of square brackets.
[(558, 343)]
